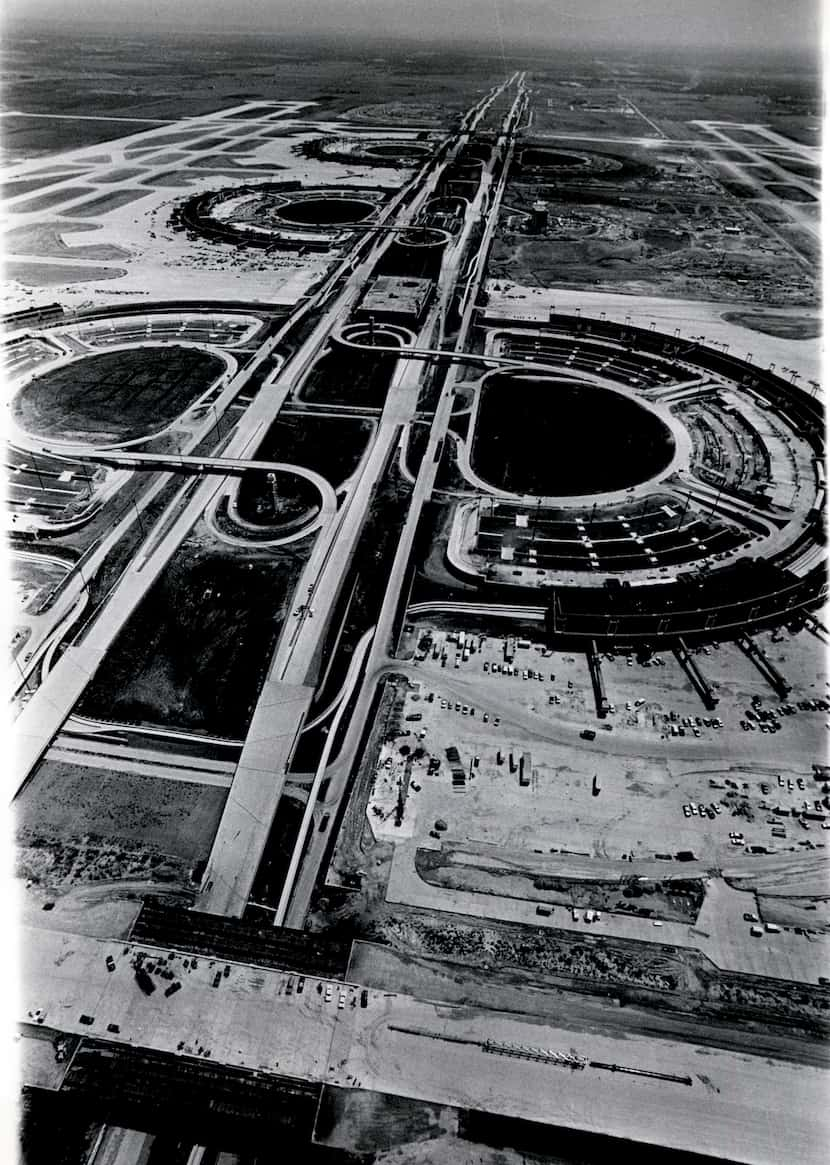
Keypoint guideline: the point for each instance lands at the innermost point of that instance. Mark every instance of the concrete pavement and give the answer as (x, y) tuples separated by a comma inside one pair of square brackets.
[(753, 1109)]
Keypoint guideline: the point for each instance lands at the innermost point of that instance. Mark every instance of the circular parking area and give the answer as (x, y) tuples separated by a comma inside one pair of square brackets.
[(325, 211), (552, 437), (117, 396), (397, 151)]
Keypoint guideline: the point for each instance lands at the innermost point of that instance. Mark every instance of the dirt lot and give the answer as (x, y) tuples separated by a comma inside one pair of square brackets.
[(502, 848), (369, 1121), (806, 327), (401, 967), (33, 581), (644, 774), (78, 824), (643, 250), (486, 871), (633, 219), (115, 396)]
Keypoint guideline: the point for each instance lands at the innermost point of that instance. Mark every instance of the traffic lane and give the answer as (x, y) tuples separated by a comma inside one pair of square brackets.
[(738, 1106)]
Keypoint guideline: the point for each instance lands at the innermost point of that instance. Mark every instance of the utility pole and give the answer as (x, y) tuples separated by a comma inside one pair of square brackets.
[(685, 508), (23, 675), (37, 471), (140, 522)]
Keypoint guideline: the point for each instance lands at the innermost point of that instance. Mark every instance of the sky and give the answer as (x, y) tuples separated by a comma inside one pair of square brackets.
[(739, 24)]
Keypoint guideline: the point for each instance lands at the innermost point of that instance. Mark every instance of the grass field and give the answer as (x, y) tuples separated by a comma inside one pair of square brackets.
[(288, 499), (86, 824), (32, 580), (36, 274), (66, 800), (195, 652), (112, 200), (115, 396), (25, 185), (344, 379), (48, 239), (51, 198), (330, 446)]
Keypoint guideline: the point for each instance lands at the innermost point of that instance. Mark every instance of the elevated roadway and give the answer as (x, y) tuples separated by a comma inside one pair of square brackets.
[(486, 203), (45, 712), (286, 696), (221, 464)]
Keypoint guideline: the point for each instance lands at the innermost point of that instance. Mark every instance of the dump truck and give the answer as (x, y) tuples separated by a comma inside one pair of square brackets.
[(525, 768), (144, 981)]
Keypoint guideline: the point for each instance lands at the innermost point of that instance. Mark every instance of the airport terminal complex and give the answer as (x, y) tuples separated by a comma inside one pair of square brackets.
[(417, 528)]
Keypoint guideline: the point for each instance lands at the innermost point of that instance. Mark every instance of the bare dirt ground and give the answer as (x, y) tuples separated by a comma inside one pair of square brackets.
[(586, 1006), (77, 824), (772, 323), (645, 776), (101, 910), (507, 838), (370, 1121), (33, 580)]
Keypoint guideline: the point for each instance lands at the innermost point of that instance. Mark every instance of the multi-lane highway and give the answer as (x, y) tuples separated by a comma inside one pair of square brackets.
[(288, 691), (486, 205), (59, 692), (485, 1059)]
